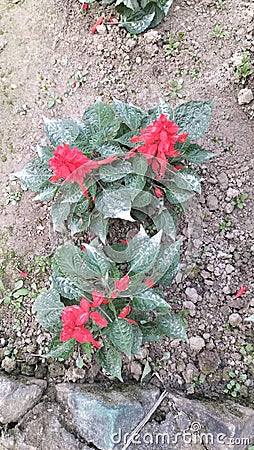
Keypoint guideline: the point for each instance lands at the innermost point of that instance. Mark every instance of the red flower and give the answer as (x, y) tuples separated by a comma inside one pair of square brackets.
[(241, 291), (125, 312), (75, 316), (84, 6), (73, 166), (122, 284), (178, 167), (149, 282), (99, 22), (159, 140), (124, 241), (23, 274), (158, 192)]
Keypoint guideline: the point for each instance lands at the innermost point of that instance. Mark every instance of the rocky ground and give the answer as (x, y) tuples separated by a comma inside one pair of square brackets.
[(41, 46)]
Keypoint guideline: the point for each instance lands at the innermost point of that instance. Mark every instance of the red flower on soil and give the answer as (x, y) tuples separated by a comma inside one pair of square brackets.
[(124, 313), (23, 274), (99, 22), (158, 192), (84, 6), (74, 317), (159, 140), (241, 291), (73, 166)]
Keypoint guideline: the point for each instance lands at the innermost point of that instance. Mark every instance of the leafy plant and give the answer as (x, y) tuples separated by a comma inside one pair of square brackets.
[(119, 312), (120, 162), (53, 100), (243, 70), (225, 224), (140, 15), (174, 88), (239, 201), (173, 45), (76, 79), (128, 183), (218, 33)]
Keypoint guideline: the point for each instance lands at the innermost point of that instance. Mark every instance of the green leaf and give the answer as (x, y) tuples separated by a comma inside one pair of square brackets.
[(138, 21), (109, 148), (59, 212), (124, 139), (153, 8), (194, 117), (48, 309), (165, 5), (129, 114), (136, 182), (143, 199), (20, 293), (188, 179), (146, 256), (34, 175), (150, 332), (69, 260), (47, 192), (176, 195), (172, 326), (87, 348), (115, 204), (165, 222), (99, 225), (146, 371), (149, 301), (196, 154), (121, 335), (81, 206), (69, 289), (61, 350), (79, 224), (96, 261), (131, 4), (137, 341), (155, 113), (139, 164), (115, 171), (167, 261), (130, 251), (96, 118), (110, 360), (61, 130), (72, 192), (45, 153)]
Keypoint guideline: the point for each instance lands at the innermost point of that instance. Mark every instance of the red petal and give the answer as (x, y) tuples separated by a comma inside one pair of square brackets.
[(122, 284), (158, 192), (125, 311), (85, 305), (114, 294), (97, 317), (241, 291), (98, 298), (23, 274), (132, 322), (124, 241), (149, 282), (66, 333)]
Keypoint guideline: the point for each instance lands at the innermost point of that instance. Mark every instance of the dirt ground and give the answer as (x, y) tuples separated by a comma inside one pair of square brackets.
[(41, 45)]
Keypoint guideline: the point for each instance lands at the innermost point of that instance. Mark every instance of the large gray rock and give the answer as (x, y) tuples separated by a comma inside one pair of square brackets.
[(99, 414), (43, 428), (18, 396), (196, 425)]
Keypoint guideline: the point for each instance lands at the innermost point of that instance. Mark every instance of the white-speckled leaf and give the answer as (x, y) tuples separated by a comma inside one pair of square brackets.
[(194, 117), (147, 254), (48, 309)]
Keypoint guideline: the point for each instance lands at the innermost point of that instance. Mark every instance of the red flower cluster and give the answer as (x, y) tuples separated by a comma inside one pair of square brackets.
[(159, 140), (74, 317), (71, 165)]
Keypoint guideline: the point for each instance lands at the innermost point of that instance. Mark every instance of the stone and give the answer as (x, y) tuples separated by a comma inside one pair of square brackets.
[(232, 193), (235, 319), (9, 364), (196, 343), (112, 410), (192, 294), (212, 202), (195, 425), (101, 29), (136, 370), (18, 397), (151, 36), (223, 181), (245, 96), (208, 361)]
